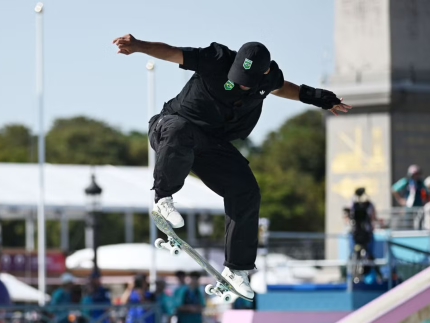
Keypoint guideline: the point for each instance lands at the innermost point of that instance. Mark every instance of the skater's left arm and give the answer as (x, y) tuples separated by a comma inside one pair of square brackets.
[(321, 98), (288, 91)]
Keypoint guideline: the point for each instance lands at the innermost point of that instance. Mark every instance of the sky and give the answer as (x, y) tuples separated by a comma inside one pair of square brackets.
[(83, 74)]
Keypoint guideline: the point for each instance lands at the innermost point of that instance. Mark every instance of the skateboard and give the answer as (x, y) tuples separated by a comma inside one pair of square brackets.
[(176, 245)]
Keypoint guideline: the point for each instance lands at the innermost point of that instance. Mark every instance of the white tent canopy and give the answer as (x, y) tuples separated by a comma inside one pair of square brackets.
[(132, 256), (19, 291), (124, 188)]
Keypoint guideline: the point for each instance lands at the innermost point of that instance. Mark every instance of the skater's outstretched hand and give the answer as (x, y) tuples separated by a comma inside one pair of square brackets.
[(127, 44), (340, 107)]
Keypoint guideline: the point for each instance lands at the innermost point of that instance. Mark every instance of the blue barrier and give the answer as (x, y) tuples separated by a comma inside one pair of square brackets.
[(315, 300)]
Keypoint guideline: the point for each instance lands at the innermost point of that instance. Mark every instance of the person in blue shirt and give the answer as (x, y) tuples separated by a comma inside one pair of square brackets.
[(190, 301), (180, 275), (4, 299), (63, 296), (135, 294), (4, 295), (96, 294), (410, 191), (164, 301)]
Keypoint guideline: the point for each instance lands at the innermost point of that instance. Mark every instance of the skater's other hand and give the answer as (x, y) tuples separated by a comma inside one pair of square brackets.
[(127, 44), (340, 107), (130, 285)]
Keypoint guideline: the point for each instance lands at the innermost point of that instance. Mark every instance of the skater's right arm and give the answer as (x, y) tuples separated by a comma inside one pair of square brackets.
[(128, 45)]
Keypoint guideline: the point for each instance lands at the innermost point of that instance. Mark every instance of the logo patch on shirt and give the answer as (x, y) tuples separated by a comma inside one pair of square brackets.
[(228, 85), (247, 64), (262, 92)]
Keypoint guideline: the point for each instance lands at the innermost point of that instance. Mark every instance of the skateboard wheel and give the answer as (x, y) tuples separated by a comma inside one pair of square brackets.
[(209, 289), (158, 243), (175, 251), (226, 297)]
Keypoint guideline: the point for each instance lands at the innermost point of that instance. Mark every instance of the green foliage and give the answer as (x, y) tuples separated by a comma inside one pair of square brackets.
[(76, 235), (246, 147), (15, 144), (290, 169), (78, 140), (82, 140), (137, 149), (107, 235), (299, 144), (13, 233)]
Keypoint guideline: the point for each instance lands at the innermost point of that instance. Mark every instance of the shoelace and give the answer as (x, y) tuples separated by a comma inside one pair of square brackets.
[(168, 204), (243, 274)]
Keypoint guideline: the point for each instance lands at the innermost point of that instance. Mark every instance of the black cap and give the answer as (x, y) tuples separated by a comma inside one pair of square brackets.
[(251, 62)]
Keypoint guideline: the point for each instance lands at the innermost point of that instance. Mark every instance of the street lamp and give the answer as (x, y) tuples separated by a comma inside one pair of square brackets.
[(93, 193)]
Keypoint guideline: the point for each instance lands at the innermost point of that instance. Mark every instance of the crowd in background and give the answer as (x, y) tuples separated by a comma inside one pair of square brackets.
[(412, 190), (185, 303), (181, 302), (412, 194)]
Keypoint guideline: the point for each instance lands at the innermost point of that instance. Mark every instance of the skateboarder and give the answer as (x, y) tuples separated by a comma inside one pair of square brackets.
[(221, 102)]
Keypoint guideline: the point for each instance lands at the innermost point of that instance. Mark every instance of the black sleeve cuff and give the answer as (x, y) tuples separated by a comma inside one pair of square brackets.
[(280, 81), (191, 58), (277, 78)]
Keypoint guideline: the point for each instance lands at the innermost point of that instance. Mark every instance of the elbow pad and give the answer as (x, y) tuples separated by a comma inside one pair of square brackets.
[(318, 97)]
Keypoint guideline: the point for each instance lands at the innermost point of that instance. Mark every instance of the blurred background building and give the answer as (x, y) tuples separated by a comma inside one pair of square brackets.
[(382, 69)]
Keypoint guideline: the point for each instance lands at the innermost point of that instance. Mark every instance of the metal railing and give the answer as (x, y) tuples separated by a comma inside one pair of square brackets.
[(300, 245), (308, 250), (410, 263), (142, 313), (403, 218)]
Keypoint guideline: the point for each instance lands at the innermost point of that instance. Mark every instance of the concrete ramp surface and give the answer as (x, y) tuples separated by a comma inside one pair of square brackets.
[(398, 305)]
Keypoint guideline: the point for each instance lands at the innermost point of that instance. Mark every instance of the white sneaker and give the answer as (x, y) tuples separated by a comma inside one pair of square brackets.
[(166, 208), (240, 281)]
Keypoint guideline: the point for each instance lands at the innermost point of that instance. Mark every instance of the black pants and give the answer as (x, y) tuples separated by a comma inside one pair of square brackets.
[(182, 147)]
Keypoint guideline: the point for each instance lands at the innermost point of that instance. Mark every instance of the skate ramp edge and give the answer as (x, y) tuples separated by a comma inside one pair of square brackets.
[(236, 316), (249, 316), (396, 305)]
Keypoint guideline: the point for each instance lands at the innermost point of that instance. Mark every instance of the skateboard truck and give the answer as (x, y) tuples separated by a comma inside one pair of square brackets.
[(219, 290), (175, 249), (171, 245)]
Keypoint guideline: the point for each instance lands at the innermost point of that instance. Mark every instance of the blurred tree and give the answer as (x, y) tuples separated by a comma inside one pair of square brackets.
[(16, 144), (298, 145), (107, 221), (76, 235), (137, 148), (13, 233), (246, 147), (82, 140), (290, 169)]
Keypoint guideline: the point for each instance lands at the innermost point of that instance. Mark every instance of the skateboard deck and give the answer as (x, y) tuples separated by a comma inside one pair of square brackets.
[(176, 244)]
